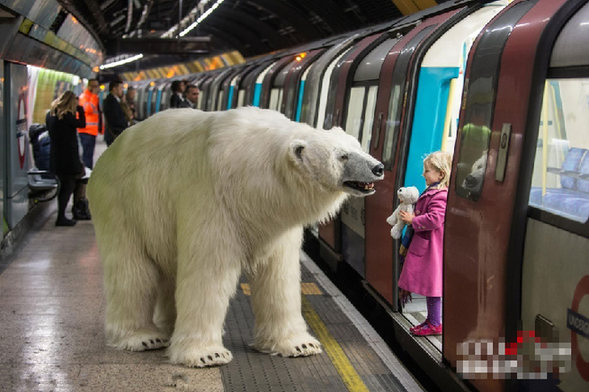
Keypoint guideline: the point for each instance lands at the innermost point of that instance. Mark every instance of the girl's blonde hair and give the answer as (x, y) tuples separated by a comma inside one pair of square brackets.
[(67, 102), (441, 161)]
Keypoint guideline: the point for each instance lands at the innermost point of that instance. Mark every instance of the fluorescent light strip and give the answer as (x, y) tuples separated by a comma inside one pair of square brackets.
[(121, 62), (201, 18), (167, 34)]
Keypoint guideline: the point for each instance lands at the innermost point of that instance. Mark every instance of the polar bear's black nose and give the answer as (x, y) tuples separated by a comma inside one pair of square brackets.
[(378, 170)]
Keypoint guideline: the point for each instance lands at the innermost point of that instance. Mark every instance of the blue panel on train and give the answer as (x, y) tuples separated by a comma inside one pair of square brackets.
[(300, 101), (230, 97), (158, 100), (149, 94), (428, 120), (257, 94)]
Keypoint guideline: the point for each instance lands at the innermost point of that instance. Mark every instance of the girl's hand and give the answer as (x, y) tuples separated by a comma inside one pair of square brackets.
[(406, 217)]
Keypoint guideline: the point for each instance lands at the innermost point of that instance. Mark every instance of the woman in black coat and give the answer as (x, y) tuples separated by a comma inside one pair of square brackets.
[(65, 157)]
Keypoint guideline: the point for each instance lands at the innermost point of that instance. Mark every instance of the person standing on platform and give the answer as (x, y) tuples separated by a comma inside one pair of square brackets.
[(192, 96), (129, 113), (65, 157), (116, 121), (130, 100), (89, 101), (177, 99), (423, 267)]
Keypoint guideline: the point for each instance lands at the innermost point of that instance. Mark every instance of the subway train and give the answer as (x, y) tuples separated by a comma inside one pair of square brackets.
[(502, 85)]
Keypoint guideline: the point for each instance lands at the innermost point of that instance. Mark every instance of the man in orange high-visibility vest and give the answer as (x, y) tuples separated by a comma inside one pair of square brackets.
[(89, 101)]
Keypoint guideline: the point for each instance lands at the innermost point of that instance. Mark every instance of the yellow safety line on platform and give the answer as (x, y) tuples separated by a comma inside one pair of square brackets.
[(339, 359), (309, 288)]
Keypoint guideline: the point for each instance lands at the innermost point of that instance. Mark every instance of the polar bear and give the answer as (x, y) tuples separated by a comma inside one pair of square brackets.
[(407, 197), (186, 200)]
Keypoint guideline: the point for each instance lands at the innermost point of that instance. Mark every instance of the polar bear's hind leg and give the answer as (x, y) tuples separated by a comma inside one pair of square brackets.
[(130, 278)]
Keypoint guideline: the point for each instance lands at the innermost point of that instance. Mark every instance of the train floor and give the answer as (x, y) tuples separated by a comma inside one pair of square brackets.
[(52, 335)]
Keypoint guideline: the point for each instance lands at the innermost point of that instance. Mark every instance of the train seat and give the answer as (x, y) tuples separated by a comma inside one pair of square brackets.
[(43, 185), (572, 198)]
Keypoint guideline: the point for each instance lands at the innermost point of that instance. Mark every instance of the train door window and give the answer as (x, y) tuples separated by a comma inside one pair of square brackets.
[(369, 117), (361, 114), (240, 97), (220, 100), (355, 106), (275, 98), (560, 180), (325, 89), (392, 124)]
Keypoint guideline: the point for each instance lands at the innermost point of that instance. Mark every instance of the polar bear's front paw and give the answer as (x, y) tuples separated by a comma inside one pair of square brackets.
[(305, 349), (298, 346), (211, 356), (143, 340)]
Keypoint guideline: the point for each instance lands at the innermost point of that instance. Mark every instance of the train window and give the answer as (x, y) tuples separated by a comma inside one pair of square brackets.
[(369, 117), (472, 160), (240, 98), (220, 100), (275, 99), (392, 123), (361, 114), (325, 91), (354, 118), (560, 180)]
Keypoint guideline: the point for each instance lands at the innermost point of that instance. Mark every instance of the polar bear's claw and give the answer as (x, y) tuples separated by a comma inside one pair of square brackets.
[(306, 349), (302, 346), (143, 341), (200, 359)]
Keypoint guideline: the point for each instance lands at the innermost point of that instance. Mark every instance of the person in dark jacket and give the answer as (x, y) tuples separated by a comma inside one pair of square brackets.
[(177, 99), (116, 121), (65, 162)]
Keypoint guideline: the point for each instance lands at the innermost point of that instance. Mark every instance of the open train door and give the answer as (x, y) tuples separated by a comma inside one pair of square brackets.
[(489, 194)]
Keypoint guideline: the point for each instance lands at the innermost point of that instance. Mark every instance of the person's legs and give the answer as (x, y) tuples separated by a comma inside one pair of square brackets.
[(65, 191), (433, 323), (434, 310), (88, 142), (80, 209)]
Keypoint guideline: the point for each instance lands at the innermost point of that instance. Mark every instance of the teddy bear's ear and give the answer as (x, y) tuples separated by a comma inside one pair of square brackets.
[(296, 150)]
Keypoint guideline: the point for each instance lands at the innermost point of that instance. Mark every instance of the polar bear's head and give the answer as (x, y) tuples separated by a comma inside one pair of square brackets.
[(408, 195), (335, 161)]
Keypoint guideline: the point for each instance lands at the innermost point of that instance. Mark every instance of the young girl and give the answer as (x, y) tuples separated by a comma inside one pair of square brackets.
[(422, 270)]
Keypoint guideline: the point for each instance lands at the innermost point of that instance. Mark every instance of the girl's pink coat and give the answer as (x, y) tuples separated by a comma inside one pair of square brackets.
[(422, 270)]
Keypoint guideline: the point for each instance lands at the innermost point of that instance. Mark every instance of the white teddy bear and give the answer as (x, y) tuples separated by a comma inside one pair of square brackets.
[(407, 196)]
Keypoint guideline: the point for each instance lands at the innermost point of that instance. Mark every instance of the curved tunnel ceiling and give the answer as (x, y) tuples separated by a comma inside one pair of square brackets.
[(252, 27)]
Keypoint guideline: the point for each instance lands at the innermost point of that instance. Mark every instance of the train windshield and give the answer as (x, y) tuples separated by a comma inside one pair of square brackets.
[(560, 181)]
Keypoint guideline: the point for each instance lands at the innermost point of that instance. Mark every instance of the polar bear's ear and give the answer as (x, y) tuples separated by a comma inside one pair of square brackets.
[(297, 147)]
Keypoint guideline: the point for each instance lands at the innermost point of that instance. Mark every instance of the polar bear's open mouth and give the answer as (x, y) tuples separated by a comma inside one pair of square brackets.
[(363, 187)]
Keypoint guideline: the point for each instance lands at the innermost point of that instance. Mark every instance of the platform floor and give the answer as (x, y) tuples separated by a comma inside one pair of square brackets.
[(52, 337)]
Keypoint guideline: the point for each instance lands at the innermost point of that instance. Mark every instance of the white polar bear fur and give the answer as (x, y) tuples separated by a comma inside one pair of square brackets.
[(185, 200), (407, 197)]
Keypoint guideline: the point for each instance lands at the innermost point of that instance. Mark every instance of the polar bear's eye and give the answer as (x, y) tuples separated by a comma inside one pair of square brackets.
[(344, 157)]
